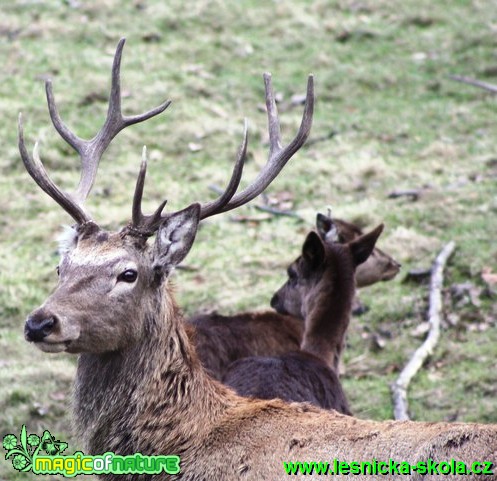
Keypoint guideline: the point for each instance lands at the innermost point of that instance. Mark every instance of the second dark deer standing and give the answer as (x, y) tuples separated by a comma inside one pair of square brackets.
[(221, 340), (320, 287)]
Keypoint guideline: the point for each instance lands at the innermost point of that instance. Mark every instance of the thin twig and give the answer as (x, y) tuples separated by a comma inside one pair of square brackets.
[(475, 83), (321, 138), (263, 208), (215, 188), (187, 268), (277, 212), (413, 194), (399, 387)]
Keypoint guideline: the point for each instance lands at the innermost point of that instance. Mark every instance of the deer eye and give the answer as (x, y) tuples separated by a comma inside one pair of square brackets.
[(57, 269), (292, 275), (129, 275)]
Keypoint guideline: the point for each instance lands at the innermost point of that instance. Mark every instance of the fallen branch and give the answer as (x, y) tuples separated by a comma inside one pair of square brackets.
[(322, 138), (399, 387), (187, 268), (215, 188), (413, 194), (274, 211), (475, 83), (279, 212), (417, 275)]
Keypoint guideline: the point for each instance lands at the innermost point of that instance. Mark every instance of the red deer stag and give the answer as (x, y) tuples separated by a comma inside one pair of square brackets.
[(140, 386), (323, 277), (221, 340)]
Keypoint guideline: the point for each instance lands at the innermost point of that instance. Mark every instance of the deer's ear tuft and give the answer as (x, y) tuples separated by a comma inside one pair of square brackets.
[(175, 238), (67, 240)]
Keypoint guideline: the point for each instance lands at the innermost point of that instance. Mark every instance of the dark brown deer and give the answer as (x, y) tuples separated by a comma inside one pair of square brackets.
[(323, 277), (222, 340), (320, 288), (140, 386)]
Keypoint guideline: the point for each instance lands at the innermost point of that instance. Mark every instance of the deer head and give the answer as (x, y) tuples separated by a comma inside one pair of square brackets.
[(379, 266), (106, 279), (312, 276)]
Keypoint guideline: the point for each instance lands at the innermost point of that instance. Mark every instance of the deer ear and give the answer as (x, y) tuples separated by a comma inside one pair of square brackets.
[(323, 224), (326, 228), (313, 250), (362, 247), (175, 238)]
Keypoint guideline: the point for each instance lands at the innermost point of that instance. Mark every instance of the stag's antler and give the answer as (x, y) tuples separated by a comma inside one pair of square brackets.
[(146, 225), (278, 157), (90, 151)]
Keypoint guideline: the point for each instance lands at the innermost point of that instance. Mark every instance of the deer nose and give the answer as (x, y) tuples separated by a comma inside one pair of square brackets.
[(38, 327), (277, 305), (274, 301)]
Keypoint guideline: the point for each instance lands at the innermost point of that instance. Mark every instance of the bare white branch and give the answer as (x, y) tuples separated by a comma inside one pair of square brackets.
[(399, 387)]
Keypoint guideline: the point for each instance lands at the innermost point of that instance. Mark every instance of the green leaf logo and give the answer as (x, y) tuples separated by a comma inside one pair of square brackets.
[(22, 451)]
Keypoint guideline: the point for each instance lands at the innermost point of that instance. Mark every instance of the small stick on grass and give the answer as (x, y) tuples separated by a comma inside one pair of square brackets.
[(413, 194), (279, 212), (263, 208), (475, 83), (399, 387)]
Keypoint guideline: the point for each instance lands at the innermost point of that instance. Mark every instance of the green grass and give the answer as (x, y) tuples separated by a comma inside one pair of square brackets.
[(381, 71)]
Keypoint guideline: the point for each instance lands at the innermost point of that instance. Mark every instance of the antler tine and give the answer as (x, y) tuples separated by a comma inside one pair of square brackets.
[(37, 171), (144, 224), (90, 151), (278, 156), (214, 207), (272, 116)]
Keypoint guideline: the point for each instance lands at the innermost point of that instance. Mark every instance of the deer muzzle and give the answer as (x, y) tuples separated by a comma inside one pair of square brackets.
[(38, 327), (277, 305), (44, 330)]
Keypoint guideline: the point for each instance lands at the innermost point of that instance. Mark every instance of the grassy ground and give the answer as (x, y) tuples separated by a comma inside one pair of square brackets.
[(387, 117)]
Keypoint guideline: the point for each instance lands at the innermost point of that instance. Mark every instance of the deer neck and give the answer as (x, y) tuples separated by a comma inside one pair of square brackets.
[(329, 312), (125, 401)]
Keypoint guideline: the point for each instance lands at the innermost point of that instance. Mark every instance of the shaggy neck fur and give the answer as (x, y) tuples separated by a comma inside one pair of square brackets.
[(126, 401), (330, 304)]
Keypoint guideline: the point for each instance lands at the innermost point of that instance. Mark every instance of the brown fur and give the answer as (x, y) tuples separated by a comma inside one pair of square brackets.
[(221, 340), (141, 388), (296, 376)]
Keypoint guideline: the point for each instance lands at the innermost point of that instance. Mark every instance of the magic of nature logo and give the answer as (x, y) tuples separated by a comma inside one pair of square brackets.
[(43, 455)]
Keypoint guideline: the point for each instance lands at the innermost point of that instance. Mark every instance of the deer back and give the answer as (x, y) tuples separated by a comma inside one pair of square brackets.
[(221, 340)]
